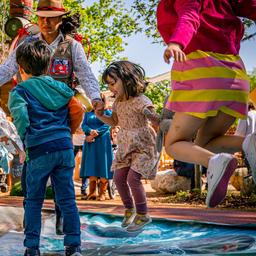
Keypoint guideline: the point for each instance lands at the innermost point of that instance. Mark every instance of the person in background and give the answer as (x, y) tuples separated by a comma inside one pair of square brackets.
[(78, 142), (113, 132), (40, 107), (246, 127), (97, 154), (11, 147)]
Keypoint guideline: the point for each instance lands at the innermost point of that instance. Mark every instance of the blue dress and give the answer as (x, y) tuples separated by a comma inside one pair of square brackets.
[(97, 156)]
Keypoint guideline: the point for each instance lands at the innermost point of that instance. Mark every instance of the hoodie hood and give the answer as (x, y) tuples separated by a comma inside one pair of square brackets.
[(51, 93)]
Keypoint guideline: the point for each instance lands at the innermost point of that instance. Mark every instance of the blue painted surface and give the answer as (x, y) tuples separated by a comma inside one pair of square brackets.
[(102, 235)]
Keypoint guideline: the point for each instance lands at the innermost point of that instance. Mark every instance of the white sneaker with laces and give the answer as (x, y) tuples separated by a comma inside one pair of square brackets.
[(249, 148), (220, 168)]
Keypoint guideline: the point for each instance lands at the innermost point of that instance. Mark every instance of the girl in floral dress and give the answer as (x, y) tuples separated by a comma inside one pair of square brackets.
[(136, 156)]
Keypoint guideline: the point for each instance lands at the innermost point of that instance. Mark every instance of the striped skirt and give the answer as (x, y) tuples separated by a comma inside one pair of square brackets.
[(207, 83)]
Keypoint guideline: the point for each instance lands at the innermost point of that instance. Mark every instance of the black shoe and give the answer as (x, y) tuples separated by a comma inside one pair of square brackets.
[(32, 252), (73, 251), (59, 226), (83, 192)]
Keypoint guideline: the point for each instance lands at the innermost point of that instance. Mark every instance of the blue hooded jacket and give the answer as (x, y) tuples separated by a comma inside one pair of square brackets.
[(39, 108)]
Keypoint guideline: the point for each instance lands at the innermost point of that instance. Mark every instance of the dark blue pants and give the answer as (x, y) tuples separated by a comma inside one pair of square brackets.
[(24, 191), (59, 166)]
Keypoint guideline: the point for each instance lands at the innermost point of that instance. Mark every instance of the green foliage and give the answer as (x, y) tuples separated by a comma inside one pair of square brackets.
[(4, 7), (252, 199), (17, 191), (105, 23), (145, 12), (183, 195), (252, 76), (157, 93)]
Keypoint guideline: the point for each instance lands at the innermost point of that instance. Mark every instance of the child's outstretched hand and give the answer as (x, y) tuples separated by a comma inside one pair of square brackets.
[(174, 51), (22, 156), (98, 106), (152, 116)]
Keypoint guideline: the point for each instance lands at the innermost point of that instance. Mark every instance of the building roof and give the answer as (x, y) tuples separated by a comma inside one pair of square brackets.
[(159, 78)]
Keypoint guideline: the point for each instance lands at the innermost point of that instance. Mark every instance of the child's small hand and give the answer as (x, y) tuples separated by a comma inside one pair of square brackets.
[(152, 116), (22, 156), (98, 106), (174, 51)]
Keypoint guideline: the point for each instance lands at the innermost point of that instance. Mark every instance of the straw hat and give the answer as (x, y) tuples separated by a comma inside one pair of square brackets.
[(50, 8)]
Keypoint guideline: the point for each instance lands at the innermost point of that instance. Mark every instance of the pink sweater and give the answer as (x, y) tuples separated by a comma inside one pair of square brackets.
[(207, 25)]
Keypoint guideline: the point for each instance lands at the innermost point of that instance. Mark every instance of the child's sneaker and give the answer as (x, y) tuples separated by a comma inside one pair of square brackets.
[(139, 222), (32, 252), (129, 215), (249, 148), (220, 169), (73, 251)]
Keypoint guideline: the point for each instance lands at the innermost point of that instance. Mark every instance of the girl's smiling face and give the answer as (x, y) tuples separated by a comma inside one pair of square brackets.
[(115, 85)]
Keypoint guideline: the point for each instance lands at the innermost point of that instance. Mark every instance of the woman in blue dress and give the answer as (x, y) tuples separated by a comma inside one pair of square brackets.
[(97, 154)]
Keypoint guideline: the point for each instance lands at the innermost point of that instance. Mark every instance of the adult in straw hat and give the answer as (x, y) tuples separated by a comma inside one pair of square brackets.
[(50, 8)]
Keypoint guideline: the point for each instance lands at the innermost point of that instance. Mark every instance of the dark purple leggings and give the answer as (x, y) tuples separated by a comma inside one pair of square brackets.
[(126, 179)]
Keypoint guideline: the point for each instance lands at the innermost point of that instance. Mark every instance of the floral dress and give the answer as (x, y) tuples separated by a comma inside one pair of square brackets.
[(136, 138)]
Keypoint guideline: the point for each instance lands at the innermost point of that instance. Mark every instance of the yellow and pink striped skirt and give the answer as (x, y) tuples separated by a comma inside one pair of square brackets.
[(207, 83)]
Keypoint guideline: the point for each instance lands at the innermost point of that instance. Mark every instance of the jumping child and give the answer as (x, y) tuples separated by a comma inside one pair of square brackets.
[(209, 85), (136, 156)]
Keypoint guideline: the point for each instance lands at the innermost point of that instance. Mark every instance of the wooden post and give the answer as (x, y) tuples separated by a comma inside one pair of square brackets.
[(198, 177)]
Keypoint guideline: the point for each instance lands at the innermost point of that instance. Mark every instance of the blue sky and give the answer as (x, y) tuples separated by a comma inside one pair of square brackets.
[(140, 50)]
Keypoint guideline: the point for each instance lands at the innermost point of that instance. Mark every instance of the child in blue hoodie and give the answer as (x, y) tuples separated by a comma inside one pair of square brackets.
[(40, 108)]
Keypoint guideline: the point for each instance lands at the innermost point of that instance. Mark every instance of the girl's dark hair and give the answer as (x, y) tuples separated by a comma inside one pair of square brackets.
[(34, 57), (70, 24), (132, 76)]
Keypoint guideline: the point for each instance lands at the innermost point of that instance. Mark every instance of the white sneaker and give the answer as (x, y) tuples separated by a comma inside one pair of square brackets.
[(220, 169), (249, 148)]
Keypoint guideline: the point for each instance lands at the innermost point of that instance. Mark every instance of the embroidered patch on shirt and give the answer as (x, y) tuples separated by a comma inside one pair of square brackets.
[(60, 67)]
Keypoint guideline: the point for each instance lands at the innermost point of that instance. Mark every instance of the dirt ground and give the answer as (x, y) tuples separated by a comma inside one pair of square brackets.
[(185, 198)]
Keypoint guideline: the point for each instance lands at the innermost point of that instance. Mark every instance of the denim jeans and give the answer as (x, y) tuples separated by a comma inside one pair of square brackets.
[(24, 191), (59, 165)]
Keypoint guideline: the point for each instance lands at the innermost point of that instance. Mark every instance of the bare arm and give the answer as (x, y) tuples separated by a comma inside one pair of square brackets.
[(151, 115), (110, 120)]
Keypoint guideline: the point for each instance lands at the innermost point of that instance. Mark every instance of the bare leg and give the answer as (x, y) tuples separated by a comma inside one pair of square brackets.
[(178, 142), (211, 135)]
